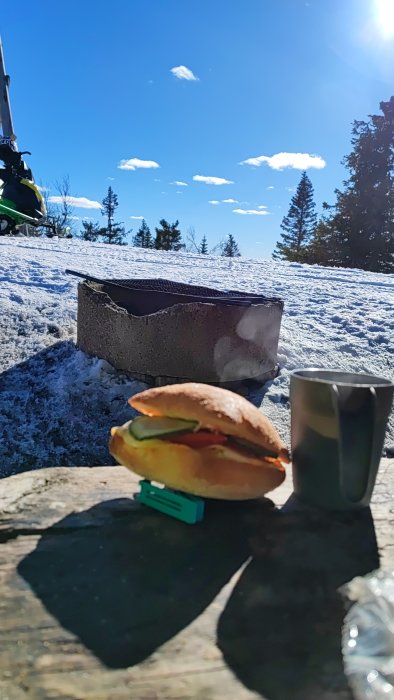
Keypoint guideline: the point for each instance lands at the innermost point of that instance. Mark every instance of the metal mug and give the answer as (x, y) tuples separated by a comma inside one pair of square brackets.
[(338, 423)]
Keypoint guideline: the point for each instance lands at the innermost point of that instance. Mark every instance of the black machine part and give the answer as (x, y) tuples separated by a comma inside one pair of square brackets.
[(23, 196), (7, 225)]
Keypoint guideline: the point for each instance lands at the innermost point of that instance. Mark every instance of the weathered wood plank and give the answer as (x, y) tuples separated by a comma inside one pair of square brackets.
[(104, 599)]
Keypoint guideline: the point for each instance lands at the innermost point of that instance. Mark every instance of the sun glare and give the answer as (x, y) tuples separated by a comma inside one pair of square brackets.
[(385, 16)]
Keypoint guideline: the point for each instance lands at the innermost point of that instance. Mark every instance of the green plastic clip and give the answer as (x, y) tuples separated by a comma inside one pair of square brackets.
[(183, 506)]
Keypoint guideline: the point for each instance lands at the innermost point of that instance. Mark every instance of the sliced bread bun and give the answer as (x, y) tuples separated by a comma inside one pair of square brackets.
[(215, 409), (211, 472)]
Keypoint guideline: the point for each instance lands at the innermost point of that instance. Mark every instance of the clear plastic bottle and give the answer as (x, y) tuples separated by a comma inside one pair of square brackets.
[(368, 636)]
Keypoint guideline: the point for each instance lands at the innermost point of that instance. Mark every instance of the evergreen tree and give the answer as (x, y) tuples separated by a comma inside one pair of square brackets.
[(204, 246), (362, 220), (168, 236), (298, 225), (143, 237), (230, 248), (112, 232), (115, 235), (90, 231), (320, 250)]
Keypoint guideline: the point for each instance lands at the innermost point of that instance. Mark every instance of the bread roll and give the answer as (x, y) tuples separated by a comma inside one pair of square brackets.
[(228, 471), (216, 471), (214, 408)]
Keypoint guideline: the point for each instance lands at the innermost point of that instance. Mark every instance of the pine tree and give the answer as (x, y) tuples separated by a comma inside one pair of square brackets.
[(230, 248), (168, 236), (298, 225), (320, 249), (143, 237), (90, 231), (204, 246), (362, 220), (113, 233)]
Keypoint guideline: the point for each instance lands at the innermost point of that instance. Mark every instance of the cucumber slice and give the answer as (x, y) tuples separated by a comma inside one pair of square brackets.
[(145, 427)]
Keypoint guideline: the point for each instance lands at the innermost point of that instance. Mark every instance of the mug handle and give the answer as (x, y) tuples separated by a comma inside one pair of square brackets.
[(347, 438)]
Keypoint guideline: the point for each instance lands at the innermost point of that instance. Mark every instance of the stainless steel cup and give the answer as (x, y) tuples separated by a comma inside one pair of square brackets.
[(338, 423)]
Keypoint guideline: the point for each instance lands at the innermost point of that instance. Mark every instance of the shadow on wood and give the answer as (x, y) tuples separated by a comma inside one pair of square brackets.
[(281, 629), (125, 579)]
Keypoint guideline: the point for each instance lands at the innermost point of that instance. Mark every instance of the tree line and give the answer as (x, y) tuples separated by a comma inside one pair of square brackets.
[(167, 235), (358, 229)]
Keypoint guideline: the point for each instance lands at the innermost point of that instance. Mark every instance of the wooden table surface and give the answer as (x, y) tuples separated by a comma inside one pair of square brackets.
[(103, 599)]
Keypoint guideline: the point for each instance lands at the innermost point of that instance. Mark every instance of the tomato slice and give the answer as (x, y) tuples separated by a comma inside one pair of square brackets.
[(202, 438)]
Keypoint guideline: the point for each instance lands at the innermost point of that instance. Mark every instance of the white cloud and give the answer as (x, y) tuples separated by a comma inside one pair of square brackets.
[(262, 206), (279, 161), (183, 73), (230, 201), (42, 188), (270, 187), (134, 163), (251, 212), (213, 201), (110, 178), (78, 202), (179, 183), (136, 217), (291, 189), (75, 218), (212, 180)]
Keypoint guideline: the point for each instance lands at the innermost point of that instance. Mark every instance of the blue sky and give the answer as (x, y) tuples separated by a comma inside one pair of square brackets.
[(99, 85)]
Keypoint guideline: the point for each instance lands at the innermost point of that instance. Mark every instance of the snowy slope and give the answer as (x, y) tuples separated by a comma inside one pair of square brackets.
[(57, 404)]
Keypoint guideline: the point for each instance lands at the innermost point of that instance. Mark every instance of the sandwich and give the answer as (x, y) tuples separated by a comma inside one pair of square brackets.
[(202, 440)]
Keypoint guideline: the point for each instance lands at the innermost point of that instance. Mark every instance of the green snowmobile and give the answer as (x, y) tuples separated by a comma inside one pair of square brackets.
[(21, 201)]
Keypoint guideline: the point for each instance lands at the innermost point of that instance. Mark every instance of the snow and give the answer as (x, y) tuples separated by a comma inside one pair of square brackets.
[(57, 404)]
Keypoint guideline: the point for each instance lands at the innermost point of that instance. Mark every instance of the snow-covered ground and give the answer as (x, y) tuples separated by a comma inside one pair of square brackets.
[(57, 404)]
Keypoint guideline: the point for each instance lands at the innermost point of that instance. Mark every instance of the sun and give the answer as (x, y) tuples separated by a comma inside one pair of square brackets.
[(385, 17)]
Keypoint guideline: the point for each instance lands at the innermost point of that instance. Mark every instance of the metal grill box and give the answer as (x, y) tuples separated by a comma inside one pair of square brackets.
[(162, 331)]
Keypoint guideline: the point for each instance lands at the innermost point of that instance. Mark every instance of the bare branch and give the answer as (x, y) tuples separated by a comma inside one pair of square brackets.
[(218, 248), (191, 243), (66, 209)]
